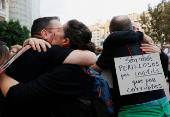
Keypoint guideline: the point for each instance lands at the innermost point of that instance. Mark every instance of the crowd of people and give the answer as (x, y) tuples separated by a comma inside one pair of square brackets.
[(47, 80)]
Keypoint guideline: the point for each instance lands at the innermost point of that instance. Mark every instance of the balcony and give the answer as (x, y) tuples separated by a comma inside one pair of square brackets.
[(2, 10)]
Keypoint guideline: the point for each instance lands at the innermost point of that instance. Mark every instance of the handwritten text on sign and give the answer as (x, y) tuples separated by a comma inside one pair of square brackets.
[(140, 73)]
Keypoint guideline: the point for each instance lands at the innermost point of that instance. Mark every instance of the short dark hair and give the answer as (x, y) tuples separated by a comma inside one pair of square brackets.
[(41, 23), (120, 23), (79, 36)]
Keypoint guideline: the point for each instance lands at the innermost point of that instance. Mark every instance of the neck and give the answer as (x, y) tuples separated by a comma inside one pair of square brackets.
[(36, 36)]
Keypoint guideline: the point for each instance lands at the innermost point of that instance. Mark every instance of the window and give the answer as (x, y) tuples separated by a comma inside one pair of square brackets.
[(1, 4)]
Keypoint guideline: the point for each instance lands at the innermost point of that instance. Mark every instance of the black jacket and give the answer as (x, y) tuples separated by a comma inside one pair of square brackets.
[(116, 46)]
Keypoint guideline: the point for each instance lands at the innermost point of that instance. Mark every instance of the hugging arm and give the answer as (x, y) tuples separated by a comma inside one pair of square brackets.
[(55, 82), (6, 82), (78, 57), (81, 57), (152, 48)]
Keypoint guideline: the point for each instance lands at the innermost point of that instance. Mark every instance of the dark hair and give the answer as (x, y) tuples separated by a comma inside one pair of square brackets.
[(41, 23), (4, 54), (120, 23), (79, 36)]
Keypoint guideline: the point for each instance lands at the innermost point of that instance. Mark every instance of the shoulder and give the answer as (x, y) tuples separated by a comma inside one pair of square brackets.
[(58, 50), (124, 33), (122, 37)]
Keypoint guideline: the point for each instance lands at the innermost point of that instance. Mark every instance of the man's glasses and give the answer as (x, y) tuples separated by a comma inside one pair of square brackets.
[(53, 28)]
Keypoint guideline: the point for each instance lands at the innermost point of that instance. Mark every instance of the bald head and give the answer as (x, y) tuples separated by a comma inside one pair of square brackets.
[(120, 23), (135, 26)]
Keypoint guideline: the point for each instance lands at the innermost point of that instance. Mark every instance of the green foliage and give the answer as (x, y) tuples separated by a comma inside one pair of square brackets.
[(157, 24), (12, 33)]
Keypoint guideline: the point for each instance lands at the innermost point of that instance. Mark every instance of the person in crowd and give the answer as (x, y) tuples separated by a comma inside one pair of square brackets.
[(32, 64), (135, 26), (167, 51), (4, 56), (98, 51), (3, 52), (14, 49), (20, 99), (132, 104)]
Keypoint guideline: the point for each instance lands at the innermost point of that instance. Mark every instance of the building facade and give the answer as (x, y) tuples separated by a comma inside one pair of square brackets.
[(4, 10), (107, 32), (23, 10), (97, 30), (136, 18)]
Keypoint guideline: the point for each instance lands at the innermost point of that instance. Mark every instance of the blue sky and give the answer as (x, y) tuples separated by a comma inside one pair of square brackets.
[(89, 11)]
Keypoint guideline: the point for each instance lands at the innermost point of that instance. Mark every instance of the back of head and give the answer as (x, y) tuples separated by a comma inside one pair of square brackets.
[(4, 55), (40, 24), (79, 36), (120, 23)]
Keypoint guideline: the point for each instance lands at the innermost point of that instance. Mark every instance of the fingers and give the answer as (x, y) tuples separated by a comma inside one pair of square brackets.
[(43, 44), (46, 43), (152, 44), (30, 41), (148, 52), (36, 42), (25, 42), (148, 45), (32, 44)]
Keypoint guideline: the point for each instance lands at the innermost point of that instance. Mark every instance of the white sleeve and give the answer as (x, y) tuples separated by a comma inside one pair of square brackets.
[(166, 51)]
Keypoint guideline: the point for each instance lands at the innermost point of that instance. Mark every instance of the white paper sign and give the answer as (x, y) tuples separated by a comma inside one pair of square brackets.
[(139, 73)]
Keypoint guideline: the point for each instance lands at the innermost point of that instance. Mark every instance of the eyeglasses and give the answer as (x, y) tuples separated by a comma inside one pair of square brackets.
[(53, 28)]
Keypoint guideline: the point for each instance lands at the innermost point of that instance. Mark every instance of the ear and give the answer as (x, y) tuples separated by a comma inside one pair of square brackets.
[(44, 34), (66, 43)]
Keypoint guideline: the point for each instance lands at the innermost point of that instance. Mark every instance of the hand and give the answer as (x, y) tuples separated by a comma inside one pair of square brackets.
[(150, 48), (36, 43), (147, 38), (166, 46)]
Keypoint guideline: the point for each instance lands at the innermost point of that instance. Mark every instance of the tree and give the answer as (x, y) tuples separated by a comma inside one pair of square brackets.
[(157, 24), (12, 33)]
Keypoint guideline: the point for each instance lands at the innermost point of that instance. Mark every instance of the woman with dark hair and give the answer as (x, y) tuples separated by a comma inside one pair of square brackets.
[(62, 87), (78, 34)]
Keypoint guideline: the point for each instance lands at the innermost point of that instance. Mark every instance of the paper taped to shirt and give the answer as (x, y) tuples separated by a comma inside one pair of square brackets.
[(140, 73)]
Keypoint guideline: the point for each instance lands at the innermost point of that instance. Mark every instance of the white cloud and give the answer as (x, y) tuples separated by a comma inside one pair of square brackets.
[(89, 11)]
